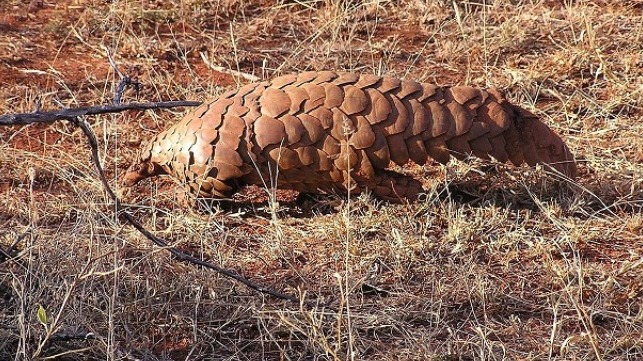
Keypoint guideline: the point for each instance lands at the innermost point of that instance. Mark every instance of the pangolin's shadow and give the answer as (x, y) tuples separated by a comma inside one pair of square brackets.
[(482, 193), (587, 197), (474, 192), (297, 206), (501, 192)]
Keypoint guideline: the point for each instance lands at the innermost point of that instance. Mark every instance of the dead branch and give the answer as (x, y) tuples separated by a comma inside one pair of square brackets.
[(72, 113)]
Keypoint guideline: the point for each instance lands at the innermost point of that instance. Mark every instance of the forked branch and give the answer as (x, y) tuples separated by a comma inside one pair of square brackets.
[(73, 115)]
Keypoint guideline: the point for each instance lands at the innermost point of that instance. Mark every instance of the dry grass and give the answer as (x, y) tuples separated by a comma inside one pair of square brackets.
[(496, 263)]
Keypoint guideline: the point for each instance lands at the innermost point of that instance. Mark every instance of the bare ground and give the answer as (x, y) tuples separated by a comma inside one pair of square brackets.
[(494, 263)]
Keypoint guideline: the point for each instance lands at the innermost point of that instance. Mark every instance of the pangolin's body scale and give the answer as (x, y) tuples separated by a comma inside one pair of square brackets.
[(319, 127)]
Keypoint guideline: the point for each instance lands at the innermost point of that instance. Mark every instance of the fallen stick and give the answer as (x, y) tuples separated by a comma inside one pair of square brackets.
[(72, 113)]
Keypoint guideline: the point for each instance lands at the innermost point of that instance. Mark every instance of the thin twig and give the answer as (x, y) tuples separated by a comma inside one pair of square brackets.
[(113, 63), (220, 69), (125, 80)]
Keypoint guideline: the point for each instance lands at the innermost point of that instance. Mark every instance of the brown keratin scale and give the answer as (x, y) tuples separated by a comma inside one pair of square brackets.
[(325, 131)]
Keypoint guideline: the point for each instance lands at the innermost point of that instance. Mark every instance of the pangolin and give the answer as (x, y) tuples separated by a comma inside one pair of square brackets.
[(333, 131)]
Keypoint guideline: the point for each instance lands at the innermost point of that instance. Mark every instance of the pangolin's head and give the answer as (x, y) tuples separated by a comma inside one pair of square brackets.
[(143, 167)]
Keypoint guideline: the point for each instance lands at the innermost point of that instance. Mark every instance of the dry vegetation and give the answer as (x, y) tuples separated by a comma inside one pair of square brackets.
[(494, 263)]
